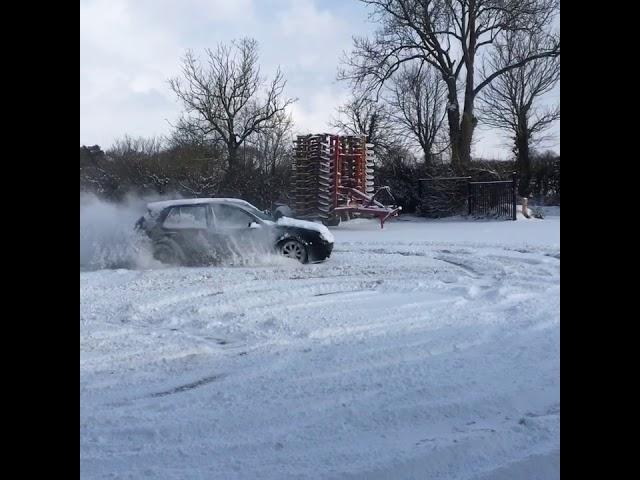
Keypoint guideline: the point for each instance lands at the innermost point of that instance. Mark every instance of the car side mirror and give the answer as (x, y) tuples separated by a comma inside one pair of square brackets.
[(254, 225)]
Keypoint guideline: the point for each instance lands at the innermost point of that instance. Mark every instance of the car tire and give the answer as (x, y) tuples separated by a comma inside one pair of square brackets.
[(168, 253), (295, 249)]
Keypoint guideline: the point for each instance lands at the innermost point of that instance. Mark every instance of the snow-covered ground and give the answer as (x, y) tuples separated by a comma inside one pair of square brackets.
[(427, 350)]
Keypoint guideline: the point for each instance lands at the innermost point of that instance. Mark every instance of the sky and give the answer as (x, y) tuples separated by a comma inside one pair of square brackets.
[(130, 48)]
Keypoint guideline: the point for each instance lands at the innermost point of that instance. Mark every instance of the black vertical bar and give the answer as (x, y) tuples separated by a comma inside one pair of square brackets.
[(493, 199), (506, 201), (514, 194), (485, 200), (475, 200), (469, 198), (487, 193), (503, 202)]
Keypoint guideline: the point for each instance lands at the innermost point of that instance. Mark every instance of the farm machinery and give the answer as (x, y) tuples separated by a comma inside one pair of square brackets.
[(333, 180)]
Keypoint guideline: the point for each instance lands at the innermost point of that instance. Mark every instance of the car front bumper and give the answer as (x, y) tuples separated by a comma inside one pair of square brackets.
[(319, 251)]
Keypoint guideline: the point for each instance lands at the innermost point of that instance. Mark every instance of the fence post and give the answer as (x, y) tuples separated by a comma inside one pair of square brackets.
[(469, 197), (514, 176)]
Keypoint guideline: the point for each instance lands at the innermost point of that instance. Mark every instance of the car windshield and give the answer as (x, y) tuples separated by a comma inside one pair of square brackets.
[(261, 215)]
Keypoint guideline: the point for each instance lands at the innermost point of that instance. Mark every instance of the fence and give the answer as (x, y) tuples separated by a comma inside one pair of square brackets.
[(441, 197), (493, 199)]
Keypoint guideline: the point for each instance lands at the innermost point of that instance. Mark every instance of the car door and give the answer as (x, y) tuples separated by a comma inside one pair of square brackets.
[(188, 226), (235, 230)]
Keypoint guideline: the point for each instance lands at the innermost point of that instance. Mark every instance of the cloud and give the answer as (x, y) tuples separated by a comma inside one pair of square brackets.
[(315, 113), (130, 48)]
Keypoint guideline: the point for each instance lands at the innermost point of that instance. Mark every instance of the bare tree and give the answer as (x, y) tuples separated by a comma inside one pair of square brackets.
[(227, 98), (452, 36), (363, 116), (417, 99), (132, 161), (511, 101), (128, 146), (274, 143), (196, 163)]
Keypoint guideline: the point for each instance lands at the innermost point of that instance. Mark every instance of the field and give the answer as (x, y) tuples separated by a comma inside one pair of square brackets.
[(427, 350)]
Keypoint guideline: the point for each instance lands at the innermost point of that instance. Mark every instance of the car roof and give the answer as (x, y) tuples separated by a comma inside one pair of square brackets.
[(157, 206)]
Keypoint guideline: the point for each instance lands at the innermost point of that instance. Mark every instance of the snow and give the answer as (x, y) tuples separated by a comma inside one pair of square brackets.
[(155, 206), (550, 211), (325, 234), (409, 229), (427, 349)]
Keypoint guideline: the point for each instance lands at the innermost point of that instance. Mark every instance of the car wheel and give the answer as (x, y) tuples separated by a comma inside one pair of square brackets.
[(166, 254), (294, 249)]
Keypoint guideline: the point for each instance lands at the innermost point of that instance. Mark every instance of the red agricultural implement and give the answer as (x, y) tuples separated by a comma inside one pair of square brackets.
[(334, 180)]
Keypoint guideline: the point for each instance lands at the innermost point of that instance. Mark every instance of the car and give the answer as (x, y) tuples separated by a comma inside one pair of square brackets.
[(201, 231)]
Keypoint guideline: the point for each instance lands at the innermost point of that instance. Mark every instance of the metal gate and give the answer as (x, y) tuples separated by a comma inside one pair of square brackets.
[(493, 199), (443, 196)]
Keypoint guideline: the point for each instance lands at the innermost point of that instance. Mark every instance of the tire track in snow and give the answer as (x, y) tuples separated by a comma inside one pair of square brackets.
[(188, 386), (362, 357)]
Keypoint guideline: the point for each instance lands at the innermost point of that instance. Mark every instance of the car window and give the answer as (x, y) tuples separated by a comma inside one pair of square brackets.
[(191, 216), (258, 213), (227, 216)]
